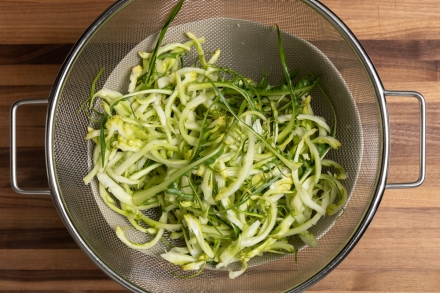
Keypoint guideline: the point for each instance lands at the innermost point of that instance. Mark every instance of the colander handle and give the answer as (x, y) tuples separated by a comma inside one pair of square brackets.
[(14, 183), (422, 156)]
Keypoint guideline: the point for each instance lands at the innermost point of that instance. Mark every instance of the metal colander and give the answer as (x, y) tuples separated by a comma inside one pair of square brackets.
[(314, 40)]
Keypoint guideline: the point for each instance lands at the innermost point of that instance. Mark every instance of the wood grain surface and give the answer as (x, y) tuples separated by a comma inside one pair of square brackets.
[(400, 252)]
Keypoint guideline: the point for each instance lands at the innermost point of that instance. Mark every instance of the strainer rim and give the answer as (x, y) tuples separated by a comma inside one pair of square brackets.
[(381, 173)]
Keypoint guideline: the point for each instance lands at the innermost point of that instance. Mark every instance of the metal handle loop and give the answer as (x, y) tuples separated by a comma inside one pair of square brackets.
[(14, 183), (422, 157)]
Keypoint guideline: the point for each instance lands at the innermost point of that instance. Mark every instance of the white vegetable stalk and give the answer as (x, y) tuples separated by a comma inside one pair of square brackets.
[(190, 107), (207, 185), (243, 174), (264, 231), (121, 235), (196, 228), (155, 144), (115, 189)]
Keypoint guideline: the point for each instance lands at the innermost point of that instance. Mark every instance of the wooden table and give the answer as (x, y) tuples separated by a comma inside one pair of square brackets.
[(400, 250)]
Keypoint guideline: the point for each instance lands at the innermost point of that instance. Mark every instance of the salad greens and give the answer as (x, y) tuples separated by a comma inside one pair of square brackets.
[(235, 167)]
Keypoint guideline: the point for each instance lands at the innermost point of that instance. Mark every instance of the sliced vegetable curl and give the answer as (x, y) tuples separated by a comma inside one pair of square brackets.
[(235, 166)]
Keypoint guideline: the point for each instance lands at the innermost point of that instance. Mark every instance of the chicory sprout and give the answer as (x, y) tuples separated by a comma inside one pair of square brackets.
[(235, 166)]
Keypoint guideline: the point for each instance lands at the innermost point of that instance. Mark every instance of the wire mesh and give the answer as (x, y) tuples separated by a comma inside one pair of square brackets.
[(244, 31)]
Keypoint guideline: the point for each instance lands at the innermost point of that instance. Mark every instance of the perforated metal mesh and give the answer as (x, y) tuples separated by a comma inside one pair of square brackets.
[(243, 30)]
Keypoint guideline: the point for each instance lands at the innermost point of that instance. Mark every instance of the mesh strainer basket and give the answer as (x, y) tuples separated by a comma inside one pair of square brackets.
[(315, 41)]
